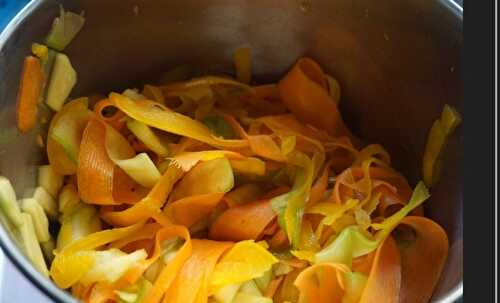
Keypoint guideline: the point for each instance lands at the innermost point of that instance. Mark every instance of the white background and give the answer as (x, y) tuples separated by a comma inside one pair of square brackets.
[(14, 287)]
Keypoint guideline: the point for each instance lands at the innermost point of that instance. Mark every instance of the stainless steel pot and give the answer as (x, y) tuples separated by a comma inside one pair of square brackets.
[(398, 63)]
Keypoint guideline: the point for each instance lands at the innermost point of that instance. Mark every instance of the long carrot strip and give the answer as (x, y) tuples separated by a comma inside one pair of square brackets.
[(304, 92), (320, 283), (100, 181), (384, 281), (95, 168), (169, 272), (30, 88), (191, 283), (422, 259)]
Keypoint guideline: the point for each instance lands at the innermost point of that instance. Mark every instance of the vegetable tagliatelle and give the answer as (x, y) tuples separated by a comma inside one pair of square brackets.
[(214, 190)]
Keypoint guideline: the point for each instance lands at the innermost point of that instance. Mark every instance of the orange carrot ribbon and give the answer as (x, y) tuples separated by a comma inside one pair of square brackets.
[(304, 92), (192, 282), (243, 222)]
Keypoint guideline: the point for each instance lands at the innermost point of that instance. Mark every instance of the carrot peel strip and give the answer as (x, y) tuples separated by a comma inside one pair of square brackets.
[(422, 258), (192, 282), (321, 283), (384, 281), (100, 181), (95, 168), (303, 90), (170, 271), (30, 88)]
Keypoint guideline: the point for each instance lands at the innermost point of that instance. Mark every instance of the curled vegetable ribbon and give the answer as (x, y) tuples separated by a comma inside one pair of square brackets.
[(304, 92), (169, 272), (68, 266), (384, 281), (148, 207), (335, 282), (161, 234), (394, 267), (437, 139), (192, 282), (423, 255), (148, 113), (100, 181), (321, 283), (245, 261), (363, 179), (189, 210), (290, 206), (308, 138), (65, 135), (116, 119), (361, 262), (353, 242)]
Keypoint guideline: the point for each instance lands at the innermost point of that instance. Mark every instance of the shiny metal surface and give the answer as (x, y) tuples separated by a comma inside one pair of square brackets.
[(398, 63)]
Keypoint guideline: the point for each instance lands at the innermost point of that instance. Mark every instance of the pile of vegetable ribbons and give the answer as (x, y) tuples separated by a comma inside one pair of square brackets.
[(212, 189)]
